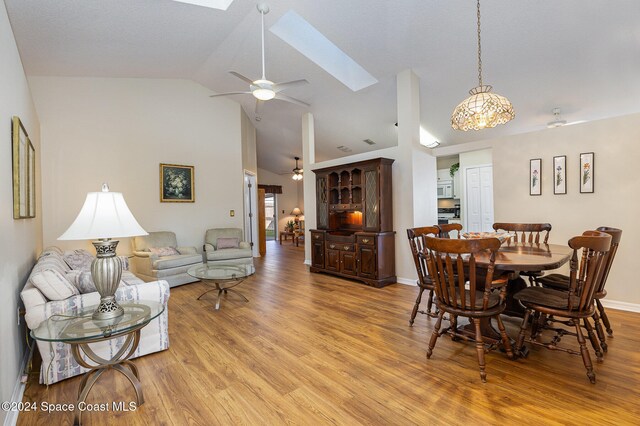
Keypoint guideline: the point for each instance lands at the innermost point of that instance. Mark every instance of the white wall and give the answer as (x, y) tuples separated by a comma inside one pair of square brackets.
[(290, 198), (22, 239), (614, 203), (248, 135), (119, 131)]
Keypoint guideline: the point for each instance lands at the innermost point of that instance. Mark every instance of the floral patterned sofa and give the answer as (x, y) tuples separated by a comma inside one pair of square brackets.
[(60, 283)]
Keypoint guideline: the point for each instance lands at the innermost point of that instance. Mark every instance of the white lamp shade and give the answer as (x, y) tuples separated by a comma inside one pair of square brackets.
[(296, 211), (103, 215)]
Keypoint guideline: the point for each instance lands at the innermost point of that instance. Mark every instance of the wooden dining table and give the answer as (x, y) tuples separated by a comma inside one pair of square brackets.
[(513, 258)]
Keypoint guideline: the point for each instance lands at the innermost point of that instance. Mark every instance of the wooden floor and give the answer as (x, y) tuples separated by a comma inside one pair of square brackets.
[(311, 349)]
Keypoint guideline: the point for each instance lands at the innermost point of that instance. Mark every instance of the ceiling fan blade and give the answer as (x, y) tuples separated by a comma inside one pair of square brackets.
[(241, 77), (289, 84), (259, 105), (230, 93), (292, 100)]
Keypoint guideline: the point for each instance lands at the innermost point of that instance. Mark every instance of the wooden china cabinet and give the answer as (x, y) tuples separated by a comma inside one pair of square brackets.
[(354, 236)]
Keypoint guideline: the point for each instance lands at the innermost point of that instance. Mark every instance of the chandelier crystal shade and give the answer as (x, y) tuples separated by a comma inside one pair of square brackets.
[(482, 109)]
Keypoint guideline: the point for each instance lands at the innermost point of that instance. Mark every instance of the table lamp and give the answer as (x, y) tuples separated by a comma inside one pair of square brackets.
[(104, 215), (296, 212)]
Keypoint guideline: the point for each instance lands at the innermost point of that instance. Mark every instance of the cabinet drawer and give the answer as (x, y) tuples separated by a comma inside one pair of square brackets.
[(317, 236), (346, 247), (367, 241)]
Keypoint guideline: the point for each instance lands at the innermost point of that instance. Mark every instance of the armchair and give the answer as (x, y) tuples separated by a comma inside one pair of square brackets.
[(237, 252), (158, 256)]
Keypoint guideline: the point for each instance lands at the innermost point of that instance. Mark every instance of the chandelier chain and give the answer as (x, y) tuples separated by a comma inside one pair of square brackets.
[(479, 50)]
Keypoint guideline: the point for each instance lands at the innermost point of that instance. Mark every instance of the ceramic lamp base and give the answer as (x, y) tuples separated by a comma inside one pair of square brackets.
[(106, 271)]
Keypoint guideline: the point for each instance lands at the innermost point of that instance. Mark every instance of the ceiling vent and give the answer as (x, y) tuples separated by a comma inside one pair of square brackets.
[(369, 142), (344, 148)]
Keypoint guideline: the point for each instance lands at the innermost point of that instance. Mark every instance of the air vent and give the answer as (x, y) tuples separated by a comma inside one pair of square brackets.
[(369, 142), (344, 148)]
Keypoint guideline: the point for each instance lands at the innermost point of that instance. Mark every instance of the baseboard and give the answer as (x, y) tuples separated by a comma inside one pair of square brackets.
[(623, 306), (406, 281), (307, 262), (11, 418)]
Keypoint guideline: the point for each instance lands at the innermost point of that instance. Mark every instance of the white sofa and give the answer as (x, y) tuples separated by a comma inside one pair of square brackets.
[(172, 268), (241, 255), (57, 360)]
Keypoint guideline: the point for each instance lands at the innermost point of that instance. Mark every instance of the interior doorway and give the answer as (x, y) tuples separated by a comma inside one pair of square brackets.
[(479, 199), (271, 217)]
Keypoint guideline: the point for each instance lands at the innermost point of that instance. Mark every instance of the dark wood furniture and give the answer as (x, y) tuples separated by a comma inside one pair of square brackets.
[(527, 233), (447, 228), (562, 282), (459, 292), (576, 304), (287, 234), (354, 236), (424, 280)]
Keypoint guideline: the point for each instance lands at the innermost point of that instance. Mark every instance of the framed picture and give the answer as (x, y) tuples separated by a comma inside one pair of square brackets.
[(176, 184), (24, 189), (535, 176), (560, 174), (586, 172)]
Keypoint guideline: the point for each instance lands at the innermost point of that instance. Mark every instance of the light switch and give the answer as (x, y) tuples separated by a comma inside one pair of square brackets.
[(232, 213)]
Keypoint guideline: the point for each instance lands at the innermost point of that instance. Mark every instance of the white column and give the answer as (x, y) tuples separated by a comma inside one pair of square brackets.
[(309, 181)]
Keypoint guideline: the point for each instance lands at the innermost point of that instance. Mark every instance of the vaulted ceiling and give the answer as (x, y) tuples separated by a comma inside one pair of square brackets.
[(581, 56)]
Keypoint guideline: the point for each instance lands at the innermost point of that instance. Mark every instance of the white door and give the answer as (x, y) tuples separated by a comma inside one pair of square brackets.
[(479, 200), (251, 212)]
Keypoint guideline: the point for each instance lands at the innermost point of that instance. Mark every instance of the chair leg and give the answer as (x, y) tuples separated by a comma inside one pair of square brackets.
[(604, 317), (505, 339), (430, 302), (600, 331), (435, 334), (585, 353), (415, 307), (593, 339), (523, 329), (480, 350), (453, 320)]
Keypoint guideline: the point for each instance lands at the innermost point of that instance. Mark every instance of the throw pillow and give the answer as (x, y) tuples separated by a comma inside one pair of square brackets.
[(227, 243), (53, 285), (79, 260), (82, 280), (164, 251)]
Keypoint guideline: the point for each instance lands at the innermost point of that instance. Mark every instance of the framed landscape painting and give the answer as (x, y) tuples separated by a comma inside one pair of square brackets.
[(586, 172), (24, 181), (176, 184), (535, 176), (560, 174)]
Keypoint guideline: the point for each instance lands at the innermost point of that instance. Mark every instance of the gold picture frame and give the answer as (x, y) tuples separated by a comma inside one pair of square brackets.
[(176, 184), (24, 172)]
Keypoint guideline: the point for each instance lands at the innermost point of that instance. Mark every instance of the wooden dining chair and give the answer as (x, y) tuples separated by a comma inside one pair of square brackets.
[(561, 282), (459, 291), (534, 233), (576, 304), (424, 280), (447, 228)]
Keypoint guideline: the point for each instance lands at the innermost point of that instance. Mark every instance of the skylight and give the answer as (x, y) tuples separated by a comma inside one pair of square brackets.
[(213, 4), (303, 37)]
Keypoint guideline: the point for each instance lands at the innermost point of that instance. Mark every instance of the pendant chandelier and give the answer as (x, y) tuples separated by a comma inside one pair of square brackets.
[(482, 109)]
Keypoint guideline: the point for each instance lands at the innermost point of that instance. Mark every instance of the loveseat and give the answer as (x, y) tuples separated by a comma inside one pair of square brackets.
[(157, 256), (54, 287), (226, 245)]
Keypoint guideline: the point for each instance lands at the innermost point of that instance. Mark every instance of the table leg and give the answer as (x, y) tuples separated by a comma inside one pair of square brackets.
[(514, 308), (117, 363)]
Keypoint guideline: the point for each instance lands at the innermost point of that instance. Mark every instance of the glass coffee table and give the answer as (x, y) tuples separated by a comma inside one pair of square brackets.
[(222, 277), (80, 330)]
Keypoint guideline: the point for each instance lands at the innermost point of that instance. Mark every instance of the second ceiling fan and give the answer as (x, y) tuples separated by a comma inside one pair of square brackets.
[(263, 89)]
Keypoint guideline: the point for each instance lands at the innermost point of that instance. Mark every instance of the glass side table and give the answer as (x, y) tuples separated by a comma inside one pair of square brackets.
[(222, 277), (80, 330)]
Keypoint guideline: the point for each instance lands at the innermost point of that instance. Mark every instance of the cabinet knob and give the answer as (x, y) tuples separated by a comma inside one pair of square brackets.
[(366, 240), (332, 246), (346, 247)]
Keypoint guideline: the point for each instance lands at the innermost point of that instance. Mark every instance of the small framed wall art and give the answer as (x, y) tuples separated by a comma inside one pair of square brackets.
[(535, 176), (560, 174), (24, 172), (586, 172), (176, 184)]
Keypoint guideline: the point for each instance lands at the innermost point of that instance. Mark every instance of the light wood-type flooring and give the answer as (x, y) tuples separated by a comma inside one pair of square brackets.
[(311, 349)]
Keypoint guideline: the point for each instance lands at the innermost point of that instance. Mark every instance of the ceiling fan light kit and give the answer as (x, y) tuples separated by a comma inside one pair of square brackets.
[(557, 119), (482, 109), (297, 171)]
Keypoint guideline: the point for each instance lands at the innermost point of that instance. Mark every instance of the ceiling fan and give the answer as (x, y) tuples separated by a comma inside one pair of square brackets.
[(263, 89), (558, 121), (297, 173)]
